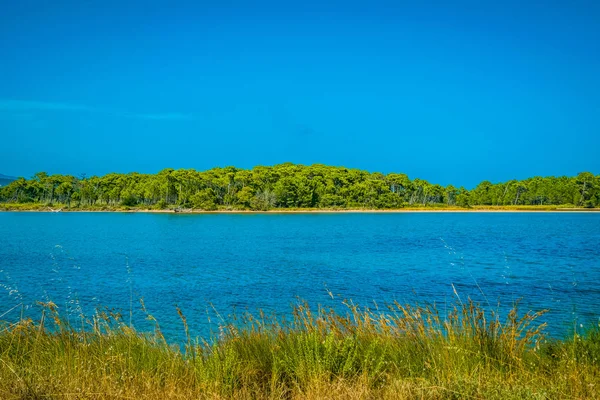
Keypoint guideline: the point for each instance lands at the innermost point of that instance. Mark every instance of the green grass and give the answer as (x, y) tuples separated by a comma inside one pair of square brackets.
[(403, 352)]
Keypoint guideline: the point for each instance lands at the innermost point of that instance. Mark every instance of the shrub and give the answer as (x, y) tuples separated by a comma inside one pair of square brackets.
[(162, 204), (129, 201)]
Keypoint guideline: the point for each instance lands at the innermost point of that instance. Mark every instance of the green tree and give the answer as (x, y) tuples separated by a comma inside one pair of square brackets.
[(204, 199)]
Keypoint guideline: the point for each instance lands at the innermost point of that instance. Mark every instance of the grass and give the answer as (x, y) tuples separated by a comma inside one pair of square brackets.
[(402, 352)]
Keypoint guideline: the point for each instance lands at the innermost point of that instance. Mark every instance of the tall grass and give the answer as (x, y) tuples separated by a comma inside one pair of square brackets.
[(402, 352)]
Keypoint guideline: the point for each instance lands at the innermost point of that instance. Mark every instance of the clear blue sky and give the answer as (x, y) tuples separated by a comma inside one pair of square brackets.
[(452, 93)]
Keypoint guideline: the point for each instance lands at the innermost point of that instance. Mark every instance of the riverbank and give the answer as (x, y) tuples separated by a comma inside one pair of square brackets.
[(174, 210), (406, 352)]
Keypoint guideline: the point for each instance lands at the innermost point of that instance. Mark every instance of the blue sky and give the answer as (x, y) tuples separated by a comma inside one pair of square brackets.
[(452, 93)]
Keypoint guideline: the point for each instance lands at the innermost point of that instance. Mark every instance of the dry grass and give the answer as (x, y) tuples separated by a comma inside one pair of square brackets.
[(404, 352)]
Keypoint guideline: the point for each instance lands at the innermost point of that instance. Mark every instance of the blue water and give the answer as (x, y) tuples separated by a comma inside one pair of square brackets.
[(217, 263)]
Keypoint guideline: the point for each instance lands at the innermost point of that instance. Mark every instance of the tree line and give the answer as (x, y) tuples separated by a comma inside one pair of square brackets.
[(292, 186)]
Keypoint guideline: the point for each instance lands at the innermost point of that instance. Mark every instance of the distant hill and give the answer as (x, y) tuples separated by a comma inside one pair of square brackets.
[(5, 179)]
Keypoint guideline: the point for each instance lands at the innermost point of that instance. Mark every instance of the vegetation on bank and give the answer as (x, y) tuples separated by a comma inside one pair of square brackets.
[(59, 207), (289, 186), (404, 352)]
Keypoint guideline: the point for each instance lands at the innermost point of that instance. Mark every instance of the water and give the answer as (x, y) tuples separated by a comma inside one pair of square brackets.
[(217, 263)]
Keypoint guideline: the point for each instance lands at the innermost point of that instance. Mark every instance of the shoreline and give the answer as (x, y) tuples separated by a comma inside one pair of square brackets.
[(324, 211)]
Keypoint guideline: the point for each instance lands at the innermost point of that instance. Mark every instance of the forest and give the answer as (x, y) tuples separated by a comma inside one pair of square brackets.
[(291, 186)]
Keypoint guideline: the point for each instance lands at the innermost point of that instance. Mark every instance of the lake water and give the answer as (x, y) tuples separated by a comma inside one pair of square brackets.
[(267, 261)]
